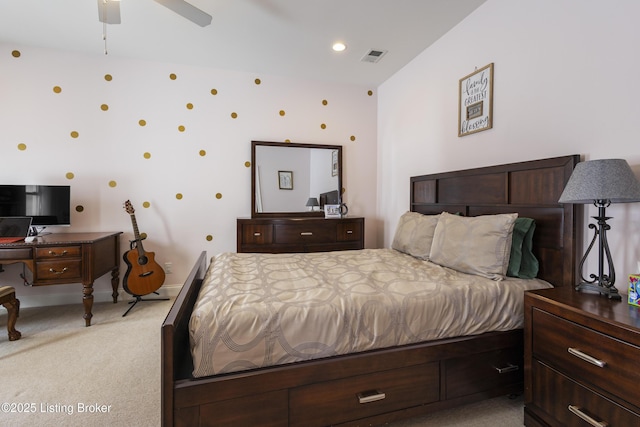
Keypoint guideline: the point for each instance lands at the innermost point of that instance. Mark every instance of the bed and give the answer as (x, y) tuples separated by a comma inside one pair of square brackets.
[(379, 385)]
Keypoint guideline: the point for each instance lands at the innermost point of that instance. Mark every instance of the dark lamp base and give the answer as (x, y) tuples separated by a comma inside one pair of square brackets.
[(611, 292)]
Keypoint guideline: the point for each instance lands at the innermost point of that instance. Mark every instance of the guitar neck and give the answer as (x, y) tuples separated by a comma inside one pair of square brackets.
[(136, 234)]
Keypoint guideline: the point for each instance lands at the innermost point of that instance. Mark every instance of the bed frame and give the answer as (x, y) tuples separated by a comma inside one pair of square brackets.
[(398, 382)]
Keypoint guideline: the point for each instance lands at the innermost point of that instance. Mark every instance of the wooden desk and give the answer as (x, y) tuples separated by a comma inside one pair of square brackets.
[(60, 258)]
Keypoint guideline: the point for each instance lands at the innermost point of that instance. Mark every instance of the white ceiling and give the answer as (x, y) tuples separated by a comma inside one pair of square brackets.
[(292, 38)]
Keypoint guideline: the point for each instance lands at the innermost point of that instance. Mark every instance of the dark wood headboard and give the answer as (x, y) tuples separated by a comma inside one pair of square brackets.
[(531, 189)]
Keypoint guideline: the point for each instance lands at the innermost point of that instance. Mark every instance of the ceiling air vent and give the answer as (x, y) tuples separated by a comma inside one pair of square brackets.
[(373, 55)]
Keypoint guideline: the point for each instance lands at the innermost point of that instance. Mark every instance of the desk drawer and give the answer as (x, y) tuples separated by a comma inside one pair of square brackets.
[(333, 402), (564, 345), (305, 233), (58, 252), (15, 253), (59, 269), (553, 393)]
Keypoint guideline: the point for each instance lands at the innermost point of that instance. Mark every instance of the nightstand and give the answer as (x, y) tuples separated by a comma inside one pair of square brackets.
[(582, 360)]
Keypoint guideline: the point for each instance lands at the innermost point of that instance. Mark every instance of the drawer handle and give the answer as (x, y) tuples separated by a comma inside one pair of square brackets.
[(599, 363), (370, 396), (306, 233), (257, 234), (64, 270), (52, 253), (509, 368), (595, 423), (349, 231)]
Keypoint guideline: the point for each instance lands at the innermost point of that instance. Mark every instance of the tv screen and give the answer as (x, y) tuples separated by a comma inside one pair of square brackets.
[(46, 204)]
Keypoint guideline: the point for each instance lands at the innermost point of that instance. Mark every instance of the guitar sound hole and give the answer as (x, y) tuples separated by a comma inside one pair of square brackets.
[(142, 260)]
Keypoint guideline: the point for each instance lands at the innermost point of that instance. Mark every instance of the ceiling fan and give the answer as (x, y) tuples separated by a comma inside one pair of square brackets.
[(109, 11)]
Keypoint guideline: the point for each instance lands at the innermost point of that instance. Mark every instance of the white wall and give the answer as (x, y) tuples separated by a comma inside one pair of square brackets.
[(36, 147), (565, 83)]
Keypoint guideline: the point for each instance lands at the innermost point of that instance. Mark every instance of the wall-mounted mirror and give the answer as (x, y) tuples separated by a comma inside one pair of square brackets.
[(284, 176)]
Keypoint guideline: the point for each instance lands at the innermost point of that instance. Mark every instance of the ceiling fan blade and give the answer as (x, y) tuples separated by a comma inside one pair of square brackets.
[(109, 11), (188, 11)]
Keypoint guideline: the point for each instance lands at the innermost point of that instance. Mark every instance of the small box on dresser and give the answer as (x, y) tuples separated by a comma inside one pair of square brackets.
[(581, 360)]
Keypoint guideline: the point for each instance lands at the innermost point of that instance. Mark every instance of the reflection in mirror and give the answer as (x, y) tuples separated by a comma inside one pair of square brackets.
[(286, 175)]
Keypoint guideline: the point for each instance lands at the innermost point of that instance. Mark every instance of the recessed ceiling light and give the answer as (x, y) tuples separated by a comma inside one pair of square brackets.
[(339, 46)]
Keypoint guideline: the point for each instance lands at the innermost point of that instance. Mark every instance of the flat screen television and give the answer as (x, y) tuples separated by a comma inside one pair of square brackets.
[(46, 204)]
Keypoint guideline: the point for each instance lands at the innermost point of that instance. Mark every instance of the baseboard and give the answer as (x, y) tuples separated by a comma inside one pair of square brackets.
[(45, 300)]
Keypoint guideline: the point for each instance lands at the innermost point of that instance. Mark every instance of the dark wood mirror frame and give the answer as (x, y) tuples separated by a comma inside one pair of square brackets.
[(255, 144)]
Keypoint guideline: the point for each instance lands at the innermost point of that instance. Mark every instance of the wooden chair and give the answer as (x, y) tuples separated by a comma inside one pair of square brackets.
[(12, 304)]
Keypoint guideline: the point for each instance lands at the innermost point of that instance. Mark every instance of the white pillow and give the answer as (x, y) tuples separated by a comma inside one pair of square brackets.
[(414, 234), (476, 245)]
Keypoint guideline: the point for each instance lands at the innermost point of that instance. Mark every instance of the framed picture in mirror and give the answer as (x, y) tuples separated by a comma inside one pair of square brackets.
[(285, 180)]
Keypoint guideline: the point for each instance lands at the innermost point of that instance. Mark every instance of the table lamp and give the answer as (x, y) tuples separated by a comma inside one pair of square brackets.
[(601, 182), (312, 203)]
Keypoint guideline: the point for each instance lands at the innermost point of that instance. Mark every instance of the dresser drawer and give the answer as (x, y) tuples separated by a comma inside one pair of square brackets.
[(554, 393), (565, 345), (349, 231), (333, 402), (305, 233), (257, 234), (58, 252), (65, 270)]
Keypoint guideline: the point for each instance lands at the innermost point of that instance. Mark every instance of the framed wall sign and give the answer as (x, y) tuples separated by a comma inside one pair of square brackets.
[(475, 101), (285, 180)]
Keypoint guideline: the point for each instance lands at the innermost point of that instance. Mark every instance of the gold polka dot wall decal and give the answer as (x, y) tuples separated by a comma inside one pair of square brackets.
[(258, 81), (323, 126), (370, 93), (234, 115), (143, 235), (15, 54), (202, 153), (147, 155), (70, 175), (113, 184), (209, 237), (79, 208), (179, 196), (214, 91), (287, 140), (22, 146), (74, 134), (247, 164), (57, 89), (282, 113), (142, 122), (181, 128), (353, 138), (146, 204), (324, 102), (218, 196), (173, 76), (104, 107), (189, 106), (108, 77)]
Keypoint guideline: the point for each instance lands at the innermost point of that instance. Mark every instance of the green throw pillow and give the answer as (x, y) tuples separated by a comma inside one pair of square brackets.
[(522, 262)]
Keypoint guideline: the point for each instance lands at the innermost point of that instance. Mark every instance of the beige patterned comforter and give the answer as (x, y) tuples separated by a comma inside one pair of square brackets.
[(258, 310)]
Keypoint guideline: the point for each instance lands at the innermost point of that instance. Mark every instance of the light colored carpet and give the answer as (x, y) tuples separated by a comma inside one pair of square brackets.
[(109, 374)]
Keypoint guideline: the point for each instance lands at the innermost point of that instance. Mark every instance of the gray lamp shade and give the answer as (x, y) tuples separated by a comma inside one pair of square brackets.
[(313, 201), (606, 179)]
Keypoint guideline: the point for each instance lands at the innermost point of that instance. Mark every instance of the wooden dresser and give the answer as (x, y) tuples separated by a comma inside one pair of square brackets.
[(582, 357), (312, 234)]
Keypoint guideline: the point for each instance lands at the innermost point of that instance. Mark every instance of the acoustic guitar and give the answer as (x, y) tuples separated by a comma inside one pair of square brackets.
[(144, 275)]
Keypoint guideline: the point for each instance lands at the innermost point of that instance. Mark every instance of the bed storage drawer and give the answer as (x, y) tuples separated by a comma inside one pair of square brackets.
[(333, 402), (481, 372), (568, 394), (267, 409), (584, 353)]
